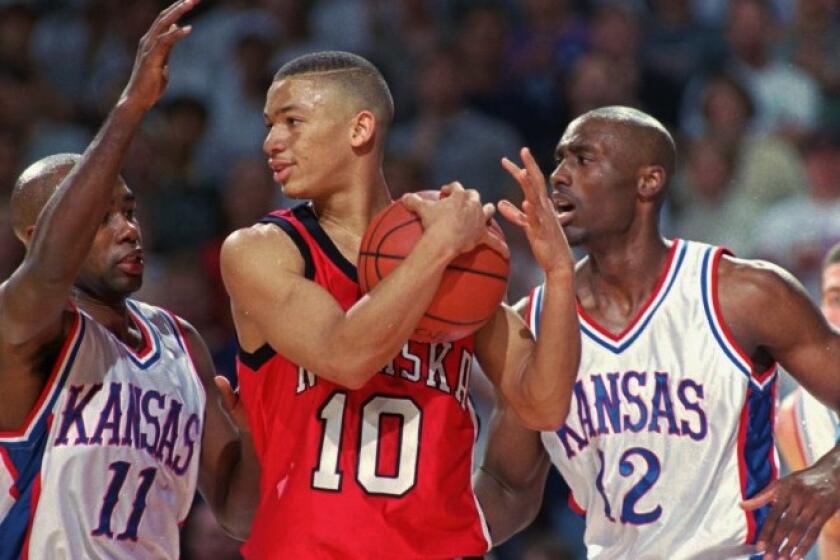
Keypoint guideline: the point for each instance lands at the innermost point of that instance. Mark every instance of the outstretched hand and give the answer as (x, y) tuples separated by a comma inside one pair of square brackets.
[(537, 216), (151, 69), (802, 502), (231, 403)]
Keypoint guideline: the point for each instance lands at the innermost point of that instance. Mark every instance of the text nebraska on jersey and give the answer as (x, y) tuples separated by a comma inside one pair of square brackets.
[(132, 417), (429, 364)]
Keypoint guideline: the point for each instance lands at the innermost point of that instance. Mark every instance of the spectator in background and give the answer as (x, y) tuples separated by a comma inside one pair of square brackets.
[(450, 140), (767, 167), (812, 42), (707, 208), (787, 99), (185, 204), (796, 232), (676, 47)]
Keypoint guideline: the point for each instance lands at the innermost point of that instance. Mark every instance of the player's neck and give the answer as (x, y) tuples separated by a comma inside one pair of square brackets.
[(626, 267), (351, 210), (113, 316)]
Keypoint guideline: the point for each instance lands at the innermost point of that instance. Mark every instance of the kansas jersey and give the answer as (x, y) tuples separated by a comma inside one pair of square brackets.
[(379, 472), (105, 466), (670, 425)]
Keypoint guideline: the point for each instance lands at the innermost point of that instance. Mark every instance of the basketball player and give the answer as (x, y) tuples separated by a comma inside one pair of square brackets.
[(806, 429), (366, 440), (103, 400), (668, 446)]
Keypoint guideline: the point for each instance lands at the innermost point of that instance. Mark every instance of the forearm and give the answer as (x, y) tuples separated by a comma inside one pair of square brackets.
[(505, 511), (540, 390), (376, 327), (239, 493), (69, 221)]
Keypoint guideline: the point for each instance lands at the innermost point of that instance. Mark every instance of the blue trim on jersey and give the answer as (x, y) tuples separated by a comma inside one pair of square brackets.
[(176, 331), (758, 446), (27, 456), (536, 310), (639, 329), (144, 363), (707, 309)]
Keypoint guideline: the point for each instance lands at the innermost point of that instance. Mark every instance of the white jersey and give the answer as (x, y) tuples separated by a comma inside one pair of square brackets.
[(816, 426), (670, 425), (106, 464)]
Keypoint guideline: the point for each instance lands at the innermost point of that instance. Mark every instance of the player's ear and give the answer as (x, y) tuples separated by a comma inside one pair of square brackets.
[(651, 181), (364, 128)]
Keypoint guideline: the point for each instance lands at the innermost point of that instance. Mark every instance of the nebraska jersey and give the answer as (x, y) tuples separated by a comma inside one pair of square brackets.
[(379, 472), (816, 426), (671, 425), (105, 466)]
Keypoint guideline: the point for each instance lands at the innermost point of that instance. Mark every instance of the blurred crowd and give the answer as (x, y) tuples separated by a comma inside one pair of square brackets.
[(749, 88)]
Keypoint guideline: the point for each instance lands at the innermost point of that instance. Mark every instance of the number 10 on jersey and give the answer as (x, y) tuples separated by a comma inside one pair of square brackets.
[(327, 474)]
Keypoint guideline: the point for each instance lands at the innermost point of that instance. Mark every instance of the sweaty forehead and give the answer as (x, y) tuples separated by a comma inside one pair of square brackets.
[(595, 134), (306, 93)]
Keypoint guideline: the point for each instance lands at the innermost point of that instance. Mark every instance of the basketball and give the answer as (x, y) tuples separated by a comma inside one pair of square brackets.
[(472, 287)]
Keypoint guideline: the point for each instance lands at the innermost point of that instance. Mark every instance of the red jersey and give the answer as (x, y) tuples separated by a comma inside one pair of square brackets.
[(379, 472)]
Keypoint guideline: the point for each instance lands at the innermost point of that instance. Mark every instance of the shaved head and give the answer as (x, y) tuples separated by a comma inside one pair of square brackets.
[(34, 188), (649, 138)]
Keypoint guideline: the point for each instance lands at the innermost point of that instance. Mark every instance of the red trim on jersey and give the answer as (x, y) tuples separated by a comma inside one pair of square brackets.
[(742, 466), (10, 467), (48, 386), (660, 282), (36, 496), (529, 307), (576, 507), (762, 376)]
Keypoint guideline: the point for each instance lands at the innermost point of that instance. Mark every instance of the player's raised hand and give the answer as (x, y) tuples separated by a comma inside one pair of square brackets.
[(802, 502), (151, 70), (231, 403), (458, 218), (537, 215)]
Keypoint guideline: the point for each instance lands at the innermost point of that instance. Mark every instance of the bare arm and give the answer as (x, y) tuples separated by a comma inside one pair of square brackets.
[(771, 317), (511, 480), (263, 273), (229, 472), (536, 379), (32, 299)]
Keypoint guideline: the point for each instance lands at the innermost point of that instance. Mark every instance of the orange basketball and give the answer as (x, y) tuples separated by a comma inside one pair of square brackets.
[(472, 287)]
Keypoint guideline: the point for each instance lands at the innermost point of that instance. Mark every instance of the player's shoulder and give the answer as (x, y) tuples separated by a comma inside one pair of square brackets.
[(261, 244), (755, 279)]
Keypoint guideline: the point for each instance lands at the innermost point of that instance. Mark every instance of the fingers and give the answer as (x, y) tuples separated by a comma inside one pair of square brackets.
[(229, 397), (415, 203), (762, 498), (496, 243), (171, 15), (511, 213)]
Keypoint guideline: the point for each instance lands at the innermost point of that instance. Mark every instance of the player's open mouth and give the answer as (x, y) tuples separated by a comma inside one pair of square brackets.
[(132, 263), (565, 211)]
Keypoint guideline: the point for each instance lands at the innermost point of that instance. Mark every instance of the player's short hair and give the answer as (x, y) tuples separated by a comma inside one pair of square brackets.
[(354, 74), (832, 256)]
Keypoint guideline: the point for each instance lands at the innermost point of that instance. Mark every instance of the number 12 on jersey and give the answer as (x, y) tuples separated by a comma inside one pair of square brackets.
[(629, 513), (327, 474)]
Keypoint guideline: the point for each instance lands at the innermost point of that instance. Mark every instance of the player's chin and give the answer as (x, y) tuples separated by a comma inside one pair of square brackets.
[(575, 235)]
